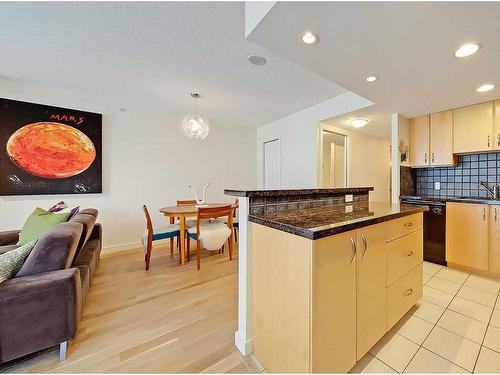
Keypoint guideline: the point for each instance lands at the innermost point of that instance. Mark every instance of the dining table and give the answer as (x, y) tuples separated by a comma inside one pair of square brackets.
[(183, 212)]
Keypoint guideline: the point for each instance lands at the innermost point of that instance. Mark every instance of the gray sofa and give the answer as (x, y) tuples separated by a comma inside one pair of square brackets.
[(41, 306)]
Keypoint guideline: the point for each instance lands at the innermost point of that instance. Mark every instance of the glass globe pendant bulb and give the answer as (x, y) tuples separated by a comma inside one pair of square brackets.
[(193, 125)]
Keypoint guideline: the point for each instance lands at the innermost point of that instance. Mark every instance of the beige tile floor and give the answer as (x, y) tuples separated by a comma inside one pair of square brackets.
[(454, 328)]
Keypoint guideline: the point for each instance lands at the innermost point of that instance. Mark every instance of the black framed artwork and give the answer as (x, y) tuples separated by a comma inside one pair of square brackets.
[(49, 150)]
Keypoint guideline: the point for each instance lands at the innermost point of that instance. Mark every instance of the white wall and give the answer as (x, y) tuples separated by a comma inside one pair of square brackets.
[(145, 160), (368, 162), (298, 134)]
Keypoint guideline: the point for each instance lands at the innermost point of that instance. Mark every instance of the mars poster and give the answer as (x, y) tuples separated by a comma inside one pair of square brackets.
[(49, 150)]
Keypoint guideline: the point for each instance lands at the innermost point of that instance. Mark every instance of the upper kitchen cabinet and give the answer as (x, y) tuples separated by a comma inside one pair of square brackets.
[(441, 138), (473, 128), (496, 126), (419, 141)]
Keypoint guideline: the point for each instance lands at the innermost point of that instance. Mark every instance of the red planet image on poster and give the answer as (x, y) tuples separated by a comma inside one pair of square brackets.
[(51, 150)]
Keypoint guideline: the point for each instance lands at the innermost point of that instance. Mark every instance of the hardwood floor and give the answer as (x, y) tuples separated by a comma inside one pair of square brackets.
[(169, 319)]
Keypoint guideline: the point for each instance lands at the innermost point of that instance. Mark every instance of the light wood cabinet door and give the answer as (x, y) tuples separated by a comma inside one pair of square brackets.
[(473, 128), (467, 234), (441, 138), (333, 306), (419, 141), (496, 129), (371, 276), (495, 239)]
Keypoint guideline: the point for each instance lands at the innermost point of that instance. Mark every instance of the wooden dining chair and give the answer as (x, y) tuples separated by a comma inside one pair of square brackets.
[(208, 213), (235, 221), (153, 234), (189, 222)]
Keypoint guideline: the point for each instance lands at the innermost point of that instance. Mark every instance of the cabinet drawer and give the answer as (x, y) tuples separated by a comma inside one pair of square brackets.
[(403, 254), (403, 294), (404, 225)]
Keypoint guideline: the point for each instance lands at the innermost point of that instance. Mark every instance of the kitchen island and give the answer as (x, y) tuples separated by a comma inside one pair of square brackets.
[(329, 277)]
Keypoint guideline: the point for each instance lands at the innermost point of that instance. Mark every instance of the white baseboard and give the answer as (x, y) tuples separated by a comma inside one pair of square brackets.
[(131, 245), (244, 346)]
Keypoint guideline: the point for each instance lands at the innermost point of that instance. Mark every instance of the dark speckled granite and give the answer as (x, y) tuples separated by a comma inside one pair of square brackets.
[(290, 192), (476, 200), (319, 222)]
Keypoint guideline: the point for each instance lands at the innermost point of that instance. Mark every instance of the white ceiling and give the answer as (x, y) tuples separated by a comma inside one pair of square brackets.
[(378, 127), (156, 53), (409, 45)]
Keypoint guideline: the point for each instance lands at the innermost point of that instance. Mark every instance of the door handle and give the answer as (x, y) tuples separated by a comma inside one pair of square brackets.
[(495, 214), (498, 139), (488, 140), (484, 213), (432, 158), (408, 292), (353, 244), (408, 254), (408, 224), (425, 158), (365, 242)]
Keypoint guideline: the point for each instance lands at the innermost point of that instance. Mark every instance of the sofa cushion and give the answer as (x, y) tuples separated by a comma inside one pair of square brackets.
[(89, 256), (54, 251), (90, 211), (88, 222), (39, 223), (5, 248), (12, 261)]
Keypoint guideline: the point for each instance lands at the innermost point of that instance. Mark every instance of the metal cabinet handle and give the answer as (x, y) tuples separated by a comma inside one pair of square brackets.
[(408, 224), (484, 213), (432, 158), (498, 139), (495, 215), (365, 242), (408, 292), (488, 140), (408, 254), (425, 158), (353, 243)]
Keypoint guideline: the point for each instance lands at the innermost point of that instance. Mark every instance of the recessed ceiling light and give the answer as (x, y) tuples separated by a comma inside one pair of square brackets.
[(359, 122), (466, 50), (486, 87), (308, 37), (257, 60), (371, 78)]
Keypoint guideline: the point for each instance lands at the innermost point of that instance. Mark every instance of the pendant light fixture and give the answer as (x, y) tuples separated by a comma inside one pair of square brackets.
[(193, 125)]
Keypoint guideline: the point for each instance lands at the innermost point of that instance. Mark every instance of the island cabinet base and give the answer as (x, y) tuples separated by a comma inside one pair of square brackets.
[(321, 305)]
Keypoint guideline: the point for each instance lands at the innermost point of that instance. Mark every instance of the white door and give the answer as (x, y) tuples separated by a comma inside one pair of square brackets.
[(272, 164)]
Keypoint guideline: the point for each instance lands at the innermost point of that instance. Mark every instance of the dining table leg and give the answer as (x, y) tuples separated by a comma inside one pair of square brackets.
[(182, 222), (172, 221)]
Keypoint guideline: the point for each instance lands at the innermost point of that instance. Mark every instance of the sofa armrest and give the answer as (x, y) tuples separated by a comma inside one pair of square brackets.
[(38, 311), (9, 237), (96, 233)]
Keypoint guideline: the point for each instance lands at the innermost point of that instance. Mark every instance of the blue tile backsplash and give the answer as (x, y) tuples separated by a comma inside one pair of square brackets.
[(461, 180)]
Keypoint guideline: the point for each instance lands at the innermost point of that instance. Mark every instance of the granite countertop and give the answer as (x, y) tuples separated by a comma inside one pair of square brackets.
[(319, 222), (476, 200), (279, 192)]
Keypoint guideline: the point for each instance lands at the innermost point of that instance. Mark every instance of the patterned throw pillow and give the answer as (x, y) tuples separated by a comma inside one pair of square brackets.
[(13, 260), (58, 207)]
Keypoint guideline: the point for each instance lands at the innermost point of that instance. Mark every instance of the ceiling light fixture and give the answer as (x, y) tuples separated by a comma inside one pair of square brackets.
[(486, 87), (359, 122), (257, 60), (466, 50), (309, 38), (371, 78), (193, 125)]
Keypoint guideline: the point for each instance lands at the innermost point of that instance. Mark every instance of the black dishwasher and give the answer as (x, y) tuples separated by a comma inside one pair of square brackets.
[(434, 229)]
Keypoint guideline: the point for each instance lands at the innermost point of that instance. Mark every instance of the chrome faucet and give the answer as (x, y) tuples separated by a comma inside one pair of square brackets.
[(493, 192)]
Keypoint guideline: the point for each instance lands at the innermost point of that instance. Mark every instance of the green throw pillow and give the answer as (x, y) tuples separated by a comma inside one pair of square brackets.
[(39, 223), (12, 261)]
